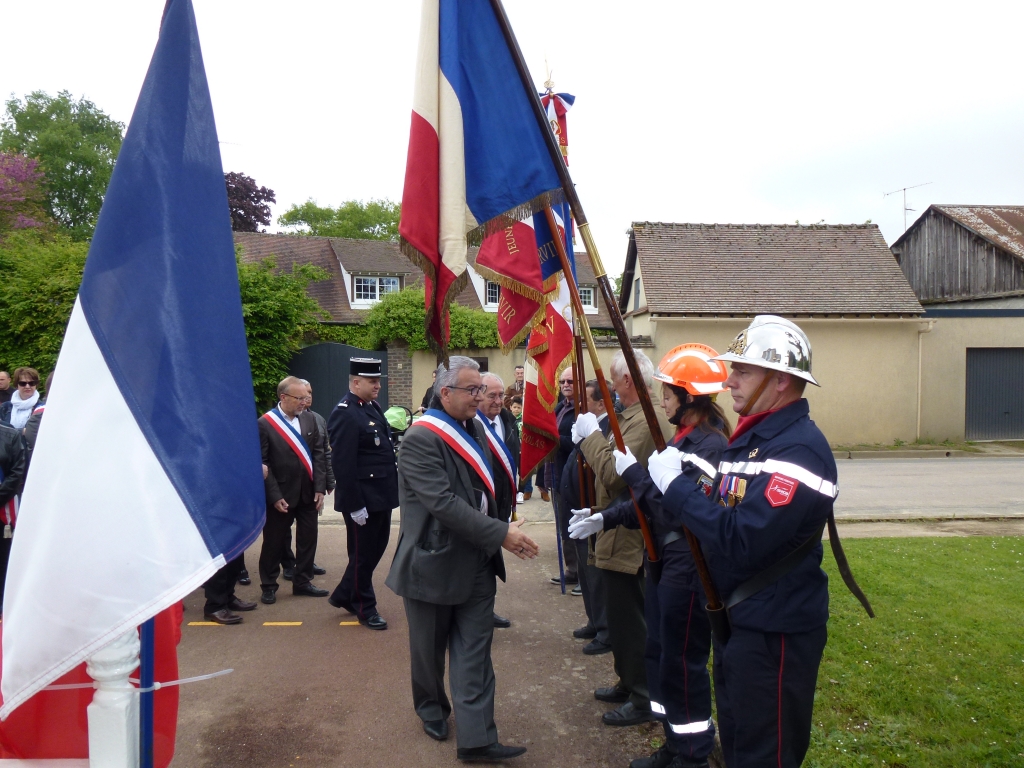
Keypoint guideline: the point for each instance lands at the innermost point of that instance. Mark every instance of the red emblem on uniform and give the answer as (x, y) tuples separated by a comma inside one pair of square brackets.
[(780, 490)]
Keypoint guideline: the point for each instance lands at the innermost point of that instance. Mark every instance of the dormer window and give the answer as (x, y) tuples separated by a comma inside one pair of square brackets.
[(370, 290), (587, 297), (493, 294)]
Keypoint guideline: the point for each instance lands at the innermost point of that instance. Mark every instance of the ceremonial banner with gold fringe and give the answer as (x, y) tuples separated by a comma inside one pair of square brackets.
[(550, 347)]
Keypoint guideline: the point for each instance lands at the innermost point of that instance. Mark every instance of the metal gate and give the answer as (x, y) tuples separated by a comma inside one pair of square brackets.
[(325, 367), (995, 393)]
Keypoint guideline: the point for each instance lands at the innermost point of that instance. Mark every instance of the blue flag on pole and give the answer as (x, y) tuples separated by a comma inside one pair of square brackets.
[(146, 475)]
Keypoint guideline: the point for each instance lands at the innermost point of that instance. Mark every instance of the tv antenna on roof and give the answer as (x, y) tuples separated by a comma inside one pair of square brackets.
[(904, 191)]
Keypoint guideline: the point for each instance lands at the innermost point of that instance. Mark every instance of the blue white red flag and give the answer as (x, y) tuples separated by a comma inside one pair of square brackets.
[(146, 475), (477, 158)]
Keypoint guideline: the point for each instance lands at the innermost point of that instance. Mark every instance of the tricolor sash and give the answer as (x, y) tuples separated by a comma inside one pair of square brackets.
[(460, 441), (501, 450), (280, 424)]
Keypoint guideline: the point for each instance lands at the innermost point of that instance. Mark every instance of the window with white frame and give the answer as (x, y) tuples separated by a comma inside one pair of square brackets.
[(493, 293), (587, 297), (371, 289)]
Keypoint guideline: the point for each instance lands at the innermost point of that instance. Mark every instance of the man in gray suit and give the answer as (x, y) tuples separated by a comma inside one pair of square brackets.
[(449, 552)]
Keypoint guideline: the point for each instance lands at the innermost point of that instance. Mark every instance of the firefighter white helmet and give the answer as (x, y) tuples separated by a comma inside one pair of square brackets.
[(773, 342)]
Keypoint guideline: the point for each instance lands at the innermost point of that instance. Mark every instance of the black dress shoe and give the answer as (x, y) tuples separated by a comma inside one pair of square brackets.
[(682, 762), (269, 597), (490, 753), (374, 622), (341, 604), (224, 616), (237, 604), (289, 574), (661, 758), (613, 694), (627, 714), (308, 590), (436, 729), (243, 579), (585, 633), (501, 622), (318, 571), (596, 648)]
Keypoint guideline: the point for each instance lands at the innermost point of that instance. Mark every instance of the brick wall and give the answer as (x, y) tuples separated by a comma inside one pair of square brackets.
[(400, 375)]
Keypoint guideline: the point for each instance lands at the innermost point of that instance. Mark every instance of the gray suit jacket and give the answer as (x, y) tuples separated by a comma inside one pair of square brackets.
[(443, 532)]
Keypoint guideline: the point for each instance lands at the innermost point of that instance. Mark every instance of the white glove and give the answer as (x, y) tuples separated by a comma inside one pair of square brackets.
[(665, 467), (623, 461), (588, 526), (359, 517), (585, 426), (579, 514)]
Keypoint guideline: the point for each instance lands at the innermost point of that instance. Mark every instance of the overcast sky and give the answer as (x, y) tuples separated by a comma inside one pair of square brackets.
[(687, 112)]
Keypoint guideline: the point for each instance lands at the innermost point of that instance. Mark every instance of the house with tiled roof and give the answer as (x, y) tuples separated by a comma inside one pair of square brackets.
[(965, 263), (362, 271), (840, 283)]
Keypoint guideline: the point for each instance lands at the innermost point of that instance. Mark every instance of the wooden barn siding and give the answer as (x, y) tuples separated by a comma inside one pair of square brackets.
[(942, 260)]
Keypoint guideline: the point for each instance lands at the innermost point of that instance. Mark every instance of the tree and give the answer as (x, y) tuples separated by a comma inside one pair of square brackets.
[(76, 144), (276, 310), (373, 220), (41, 275), (21, 193), (248, 202)]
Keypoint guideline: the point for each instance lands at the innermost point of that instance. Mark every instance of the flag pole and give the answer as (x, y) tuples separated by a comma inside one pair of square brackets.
[(602, 383), (147, 662)]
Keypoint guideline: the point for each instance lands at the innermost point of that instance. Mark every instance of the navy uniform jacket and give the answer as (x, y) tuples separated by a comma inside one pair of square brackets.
[(362, 456), (702, 450), (785, 469)]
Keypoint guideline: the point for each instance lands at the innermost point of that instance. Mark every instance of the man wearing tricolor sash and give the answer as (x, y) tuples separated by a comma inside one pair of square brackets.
[(502, 435), (295, 485), (448, 555)]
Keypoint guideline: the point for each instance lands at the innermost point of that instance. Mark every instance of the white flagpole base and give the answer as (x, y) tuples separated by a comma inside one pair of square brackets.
[(114, 711)]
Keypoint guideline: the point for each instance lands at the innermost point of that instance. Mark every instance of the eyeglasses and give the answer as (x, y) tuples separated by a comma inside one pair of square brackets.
[(473, 391), (293, 397), (563, 382), (27, 383)]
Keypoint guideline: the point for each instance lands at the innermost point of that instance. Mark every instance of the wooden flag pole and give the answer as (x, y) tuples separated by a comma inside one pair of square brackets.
[(606, 395), (714, 601)]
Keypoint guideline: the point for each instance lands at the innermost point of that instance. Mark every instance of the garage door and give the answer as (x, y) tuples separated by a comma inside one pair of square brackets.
[(995, 394)]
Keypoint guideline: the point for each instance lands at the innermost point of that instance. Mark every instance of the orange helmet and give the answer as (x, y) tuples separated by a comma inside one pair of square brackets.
[(691, 367)]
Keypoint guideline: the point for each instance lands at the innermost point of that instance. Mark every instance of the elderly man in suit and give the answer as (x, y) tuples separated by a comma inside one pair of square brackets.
[(449, 552), (502, 432), (296, 482)]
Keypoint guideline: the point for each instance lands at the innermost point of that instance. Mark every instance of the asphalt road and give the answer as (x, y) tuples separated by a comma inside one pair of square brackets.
[(895, 489)]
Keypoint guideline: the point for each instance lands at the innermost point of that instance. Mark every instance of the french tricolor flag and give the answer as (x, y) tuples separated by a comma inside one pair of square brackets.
[(477, 158), (146, 475)]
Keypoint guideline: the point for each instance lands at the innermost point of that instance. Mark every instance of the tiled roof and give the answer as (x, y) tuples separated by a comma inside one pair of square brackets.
[(727, 269), (1001, 225), (294, 250), (365, 257)]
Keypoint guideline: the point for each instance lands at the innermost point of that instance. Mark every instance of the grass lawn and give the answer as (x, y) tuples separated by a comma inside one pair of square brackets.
[(937, 679)]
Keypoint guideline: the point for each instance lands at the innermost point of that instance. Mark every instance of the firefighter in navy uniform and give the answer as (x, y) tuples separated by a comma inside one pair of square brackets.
[(678, 631), (761, 532), (363, 458)]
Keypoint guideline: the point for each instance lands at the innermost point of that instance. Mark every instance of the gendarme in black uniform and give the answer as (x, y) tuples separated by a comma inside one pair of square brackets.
[(363, 458)]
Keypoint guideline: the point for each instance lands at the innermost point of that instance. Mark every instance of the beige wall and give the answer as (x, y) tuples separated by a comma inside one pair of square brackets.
[(424, 362), (944, 368), (867, 371)]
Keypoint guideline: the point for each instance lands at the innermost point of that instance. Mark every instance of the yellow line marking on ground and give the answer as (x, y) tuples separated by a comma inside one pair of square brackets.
[(349, 624), (282, 623), (205, 624)]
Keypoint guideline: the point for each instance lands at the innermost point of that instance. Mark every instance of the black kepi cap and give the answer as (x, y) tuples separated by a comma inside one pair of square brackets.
[(366, 367)]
